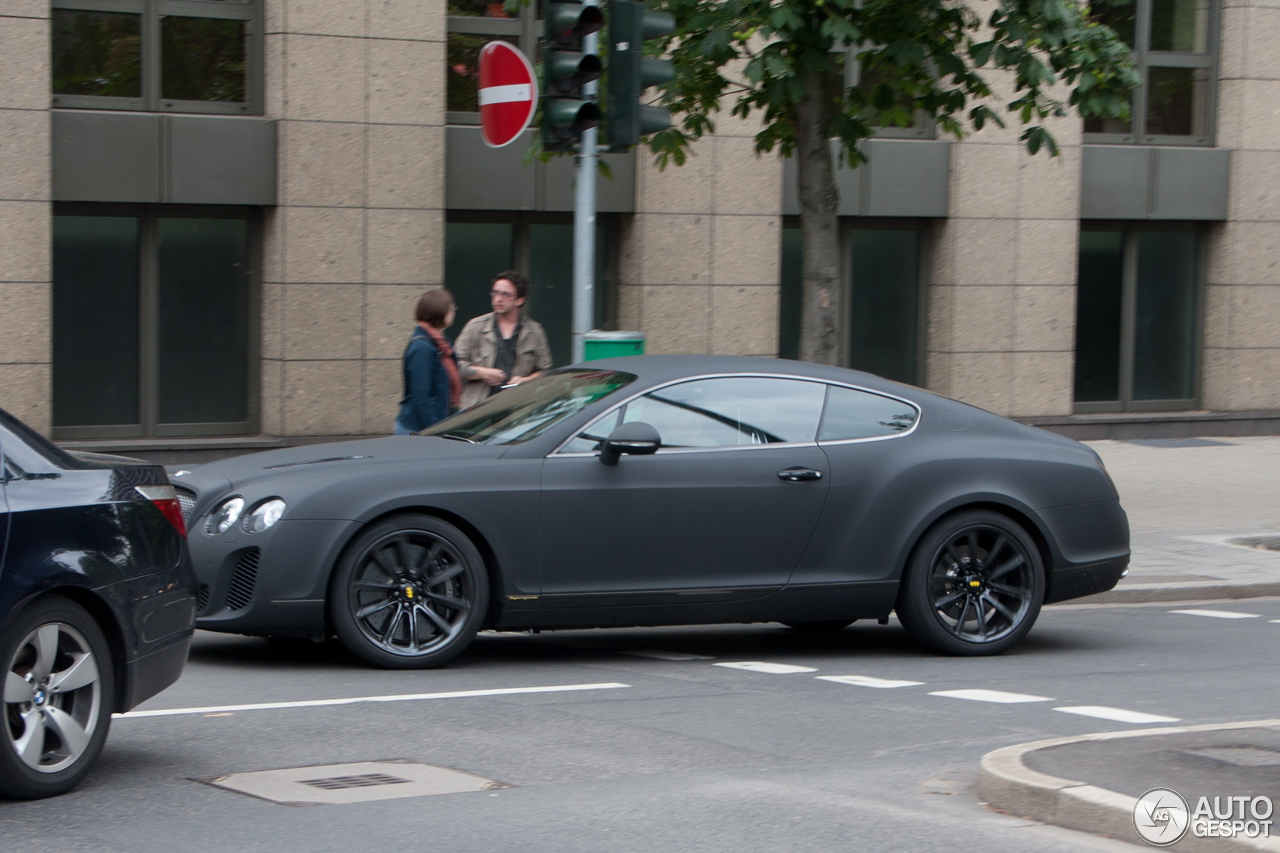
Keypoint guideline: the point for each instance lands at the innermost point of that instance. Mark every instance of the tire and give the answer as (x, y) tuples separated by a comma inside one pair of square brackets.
[(973, 585), (409, 592), (826, 626), (59, 691)]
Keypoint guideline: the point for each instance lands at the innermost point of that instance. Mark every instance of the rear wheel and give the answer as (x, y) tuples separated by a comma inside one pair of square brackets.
[(974, 585), (410, 593), (58, 696)]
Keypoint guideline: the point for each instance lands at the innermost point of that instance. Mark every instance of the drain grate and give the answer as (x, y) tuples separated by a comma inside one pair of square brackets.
[(365, 780), (360, 782), (1262, 543)]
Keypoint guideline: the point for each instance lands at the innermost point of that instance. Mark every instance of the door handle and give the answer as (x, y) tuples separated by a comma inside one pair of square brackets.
[(799, 475)]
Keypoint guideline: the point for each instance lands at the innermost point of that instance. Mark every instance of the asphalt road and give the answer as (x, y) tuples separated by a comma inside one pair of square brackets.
[(691, 754)]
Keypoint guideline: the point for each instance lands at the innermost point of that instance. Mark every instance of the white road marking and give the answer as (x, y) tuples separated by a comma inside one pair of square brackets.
[(772, 668), (657, 655), (1120, 715), (355, 700), (867, 681), (1217, 614), (998, 696), (1276, 620)]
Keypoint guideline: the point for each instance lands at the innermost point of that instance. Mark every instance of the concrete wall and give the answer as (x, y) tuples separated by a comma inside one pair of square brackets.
[(358, 234), (1242, 298), (1001, 297), (26, 298), (699, 262)]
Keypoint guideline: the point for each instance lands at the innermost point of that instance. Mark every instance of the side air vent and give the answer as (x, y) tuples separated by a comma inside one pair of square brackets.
[(202, 598), (243, 579)]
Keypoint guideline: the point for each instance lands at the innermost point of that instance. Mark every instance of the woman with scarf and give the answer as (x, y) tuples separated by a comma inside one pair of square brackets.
[(432, 387)]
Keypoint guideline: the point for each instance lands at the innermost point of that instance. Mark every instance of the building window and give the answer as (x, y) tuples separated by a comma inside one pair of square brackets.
[(884, 295), (1137, 319), (154, 324), (1175, 51), (478, 245), (191, 56), (472, 25)]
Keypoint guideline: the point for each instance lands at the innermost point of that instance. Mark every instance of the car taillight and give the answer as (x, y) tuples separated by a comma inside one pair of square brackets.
[(166, 500)]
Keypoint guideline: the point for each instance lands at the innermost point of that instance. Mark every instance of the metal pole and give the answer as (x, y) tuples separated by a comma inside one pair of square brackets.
[(584, 222)]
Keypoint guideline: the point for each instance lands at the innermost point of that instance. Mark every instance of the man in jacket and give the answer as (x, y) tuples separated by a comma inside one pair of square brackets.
[(503, 348)]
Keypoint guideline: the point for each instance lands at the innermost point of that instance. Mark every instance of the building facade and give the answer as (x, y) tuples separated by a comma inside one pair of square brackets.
[(216, 217)]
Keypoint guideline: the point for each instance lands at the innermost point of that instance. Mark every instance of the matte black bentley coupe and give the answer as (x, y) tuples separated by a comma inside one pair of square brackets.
[(660, 490), (97, 603)]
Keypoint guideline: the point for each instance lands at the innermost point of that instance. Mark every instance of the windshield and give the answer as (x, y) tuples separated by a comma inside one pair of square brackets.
[(525, 411)]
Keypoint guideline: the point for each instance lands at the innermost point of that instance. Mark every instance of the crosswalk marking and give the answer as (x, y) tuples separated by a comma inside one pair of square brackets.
[(1119, 715), (660, 655), (998, 696), (1217, 614), (762, 666), (867, 681)]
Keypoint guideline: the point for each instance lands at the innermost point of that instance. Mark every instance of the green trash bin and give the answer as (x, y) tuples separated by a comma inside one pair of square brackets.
[(610, 344)]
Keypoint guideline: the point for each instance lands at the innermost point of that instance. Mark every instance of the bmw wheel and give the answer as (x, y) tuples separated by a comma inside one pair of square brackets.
[(409, 593), (58, 697), (973, 586)]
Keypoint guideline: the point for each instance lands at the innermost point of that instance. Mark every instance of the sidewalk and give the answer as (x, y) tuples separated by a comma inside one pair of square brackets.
[(1039, 780), (1189, 502)]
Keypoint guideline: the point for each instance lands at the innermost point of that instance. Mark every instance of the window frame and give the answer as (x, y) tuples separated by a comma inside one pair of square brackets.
[(560, 453), (151, 12), (148, 425), (1144, 59), (1128, 331), (525, 27)]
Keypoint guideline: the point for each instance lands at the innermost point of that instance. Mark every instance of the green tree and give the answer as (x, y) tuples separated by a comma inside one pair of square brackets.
[(785, 59)]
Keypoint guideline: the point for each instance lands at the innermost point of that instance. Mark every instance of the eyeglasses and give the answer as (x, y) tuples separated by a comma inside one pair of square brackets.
[(497, 293)]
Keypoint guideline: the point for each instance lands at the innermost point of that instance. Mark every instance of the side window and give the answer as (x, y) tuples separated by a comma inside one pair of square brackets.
[(731, 412), (590, 439), (860, 414)]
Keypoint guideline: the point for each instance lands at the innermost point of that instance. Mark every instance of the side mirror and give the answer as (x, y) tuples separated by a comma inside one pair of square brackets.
[(636, 438)]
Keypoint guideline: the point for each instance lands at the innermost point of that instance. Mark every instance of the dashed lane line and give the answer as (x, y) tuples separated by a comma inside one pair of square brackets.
[(1119, 715), (867, 681), (1217, 614), (998, 696), (762, 666), (356, 700)]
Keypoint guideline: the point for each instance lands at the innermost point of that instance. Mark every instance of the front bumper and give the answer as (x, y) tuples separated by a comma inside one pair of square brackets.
[(270, 583)]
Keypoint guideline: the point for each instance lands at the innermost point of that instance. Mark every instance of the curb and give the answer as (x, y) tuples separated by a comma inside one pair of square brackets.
[(1005, 782), (1138, 593)]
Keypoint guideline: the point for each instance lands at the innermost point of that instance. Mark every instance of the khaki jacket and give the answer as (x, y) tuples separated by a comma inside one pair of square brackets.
[(477, 346)]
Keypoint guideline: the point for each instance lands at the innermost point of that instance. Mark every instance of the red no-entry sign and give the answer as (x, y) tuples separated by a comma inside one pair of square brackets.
[(508, 93)]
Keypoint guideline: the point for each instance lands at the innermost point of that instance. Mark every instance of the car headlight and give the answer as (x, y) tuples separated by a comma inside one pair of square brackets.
[(227, 513), (264, 515)]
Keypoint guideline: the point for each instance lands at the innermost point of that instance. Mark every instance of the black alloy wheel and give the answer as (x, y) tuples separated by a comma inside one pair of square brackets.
[(973, 586), (58, 697), (409, 593)]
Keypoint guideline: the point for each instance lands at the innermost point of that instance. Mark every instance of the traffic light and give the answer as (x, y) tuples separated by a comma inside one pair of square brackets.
[(630, 72), (565, 70)]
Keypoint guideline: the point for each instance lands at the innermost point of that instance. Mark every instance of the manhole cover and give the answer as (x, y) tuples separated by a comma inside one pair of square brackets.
[(1240, 756), (1262, 543), (363, 782)]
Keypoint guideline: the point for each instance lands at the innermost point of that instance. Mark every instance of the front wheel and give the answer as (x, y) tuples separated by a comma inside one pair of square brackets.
[(409, 593), (973, 586), (58, 696)]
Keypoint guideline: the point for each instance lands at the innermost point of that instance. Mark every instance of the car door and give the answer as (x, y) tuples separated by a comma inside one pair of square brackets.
[(724, 509), (4, 504)]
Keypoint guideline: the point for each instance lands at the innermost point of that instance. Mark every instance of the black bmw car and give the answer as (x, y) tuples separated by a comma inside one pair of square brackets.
[(660, 490), (97, 603)]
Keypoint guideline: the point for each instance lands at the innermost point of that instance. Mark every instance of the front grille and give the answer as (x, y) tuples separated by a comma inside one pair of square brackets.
[(243, 579), (202, 597), (187, 501)]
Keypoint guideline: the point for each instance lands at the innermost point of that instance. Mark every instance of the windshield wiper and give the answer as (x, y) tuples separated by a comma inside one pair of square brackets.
[(455, 437)]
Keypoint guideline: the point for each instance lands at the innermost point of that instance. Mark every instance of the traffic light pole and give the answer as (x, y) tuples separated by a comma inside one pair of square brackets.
[(584, 222)]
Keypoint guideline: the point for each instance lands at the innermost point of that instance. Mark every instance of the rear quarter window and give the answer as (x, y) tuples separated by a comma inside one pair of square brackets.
[(850, 413)]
